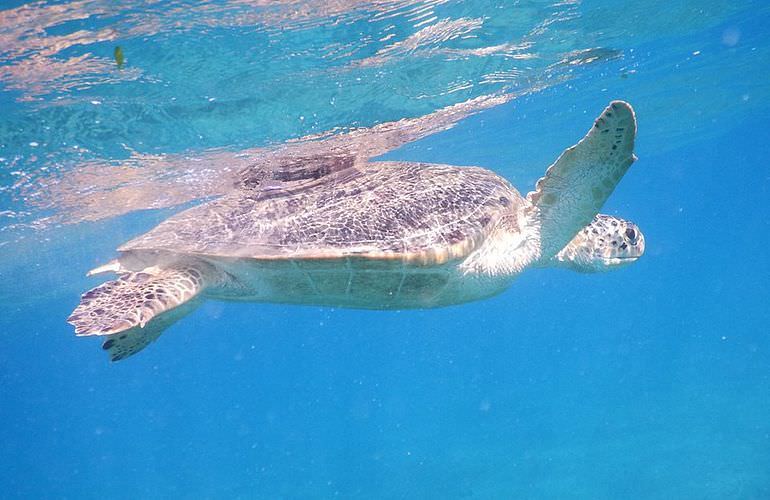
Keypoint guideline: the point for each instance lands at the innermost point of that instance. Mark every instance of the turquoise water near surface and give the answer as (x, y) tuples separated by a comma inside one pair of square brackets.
[(648, 382)]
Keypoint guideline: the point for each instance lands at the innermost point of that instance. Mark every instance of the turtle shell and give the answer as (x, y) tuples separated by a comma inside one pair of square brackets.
[(423, 213)]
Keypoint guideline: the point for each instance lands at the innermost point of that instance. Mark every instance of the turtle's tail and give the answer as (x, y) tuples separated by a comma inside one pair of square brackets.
[(121, 309)]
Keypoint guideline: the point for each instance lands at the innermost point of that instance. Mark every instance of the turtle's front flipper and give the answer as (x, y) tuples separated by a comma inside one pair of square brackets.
[(576, 186), (131, 301)]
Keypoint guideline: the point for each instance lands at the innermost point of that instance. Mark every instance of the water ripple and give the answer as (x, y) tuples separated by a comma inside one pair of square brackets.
[(206, 87)]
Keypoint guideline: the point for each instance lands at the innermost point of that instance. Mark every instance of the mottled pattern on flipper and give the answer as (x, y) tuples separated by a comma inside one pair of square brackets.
[(135, 298), (576, 186), (124, 344), (127, 343)]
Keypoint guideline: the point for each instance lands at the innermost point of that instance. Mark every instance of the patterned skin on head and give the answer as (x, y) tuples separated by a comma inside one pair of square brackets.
[(606, 244)]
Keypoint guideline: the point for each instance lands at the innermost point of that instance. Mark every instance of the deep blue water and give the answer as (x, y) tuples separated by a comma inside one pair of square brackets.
[(649, 382)]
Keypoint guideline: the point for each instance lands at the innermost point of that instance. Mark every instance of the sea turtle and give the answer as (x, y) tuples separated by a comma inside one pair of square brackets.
[(378, 235)]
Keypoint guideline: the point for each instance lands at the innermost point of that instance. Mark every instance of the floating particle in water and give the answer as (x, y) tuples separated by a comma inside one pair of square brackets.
[(626, 73), (731, 36), (119, 57)]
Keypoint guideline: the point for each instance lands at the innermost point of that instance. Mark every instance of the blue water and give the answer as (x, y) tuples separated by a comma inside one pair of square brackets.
[(648, 382)]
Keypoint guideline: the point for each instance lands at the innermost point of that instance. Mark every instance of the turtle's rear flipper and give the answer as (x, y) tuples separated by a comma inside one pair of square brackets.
[(129, 342), (131, 301)]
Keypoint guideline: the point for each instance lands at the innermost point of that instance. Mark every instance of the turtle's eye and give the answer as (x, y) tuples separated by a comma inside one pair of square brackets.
[(631, 234)]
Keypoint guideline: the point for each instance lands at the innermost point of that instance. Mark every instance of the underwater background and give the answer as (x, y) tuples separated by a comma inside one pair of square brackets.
[(649, 382)]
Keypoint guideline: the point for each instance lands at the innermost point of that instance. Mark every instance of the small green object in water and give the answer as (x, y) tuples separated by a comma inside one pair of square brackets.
[(119, 58)]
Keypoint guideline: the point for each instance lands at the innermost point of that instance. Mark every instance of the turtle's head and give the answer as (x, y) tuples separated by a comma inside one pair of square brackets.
[(606, 243)]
